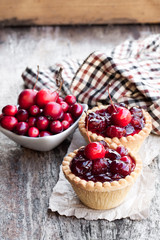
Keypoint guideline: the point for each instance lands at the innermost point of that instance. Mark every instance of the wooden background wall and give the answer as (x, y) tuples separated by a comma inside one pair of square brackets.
[(53, 12)]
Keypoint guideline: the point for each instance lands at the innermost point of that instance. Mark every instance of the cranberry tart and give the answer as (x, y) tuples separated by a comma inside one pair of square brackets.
[(116, 123), (101, 175)]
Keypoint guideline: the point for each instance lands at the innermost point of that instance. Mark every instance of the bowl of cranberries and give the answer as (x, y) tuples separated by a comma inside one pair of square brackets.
[(117, 123), (101, 174), (42, 119)]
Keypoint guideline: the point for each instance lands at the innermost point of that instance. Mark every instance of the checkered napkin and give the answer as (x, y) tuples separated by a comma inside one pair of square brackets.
[(132, 71)]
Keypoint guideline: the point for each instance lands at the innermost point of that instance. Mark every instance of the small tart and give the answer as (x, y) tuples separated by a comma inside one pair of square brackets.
[(133, 142), (101, 195)]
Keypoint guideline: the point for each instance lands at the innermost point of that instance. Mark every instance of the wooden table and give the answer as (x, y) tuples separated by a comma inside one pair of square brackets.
[(27, 177)]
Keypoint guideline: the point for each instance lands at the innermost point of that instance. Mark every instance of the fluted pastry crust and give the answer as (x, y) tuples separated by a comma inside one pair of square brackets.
[(99, 195), (132, 142)]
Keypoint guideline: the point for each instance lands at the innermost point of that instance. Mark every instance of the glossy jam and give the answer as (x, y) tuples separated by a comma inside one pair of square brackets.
[(115, 165), (100, 122)]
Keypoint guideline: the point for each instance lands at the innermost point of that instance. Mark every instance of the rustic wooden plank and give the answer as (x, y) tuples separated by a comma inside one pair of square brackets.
[(36, 12), (27, 177)]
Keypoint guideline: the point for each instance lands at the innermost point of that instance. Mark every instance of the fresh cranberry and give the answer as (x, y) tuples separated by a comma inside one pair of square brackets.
[(45, 134), (114, 131), (61, 117), (137, 122), (94, 150), (22, 115), (99, 166), (53, 110), (120, 167), (8, 122), (64, 106), (122, 150), (76, 110), (45, 96), (34, 110), (70, 99), (56, 126), (9, 110), (136, 112), (32, 121), (42, 123), (59, 100), (112, 154), (21, 128), (68, 117), (27, 98), (33, 132), (121, 117), (65, 124)]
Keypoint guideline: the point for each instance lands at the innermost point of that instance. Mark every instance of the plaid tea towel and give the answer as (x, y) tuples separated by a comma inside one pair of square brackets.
[(132, 71)]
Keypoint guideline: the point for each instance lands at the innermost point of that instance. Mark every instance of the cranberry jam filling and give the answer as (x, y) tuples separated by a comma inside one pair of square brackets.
[(116, 121), (115, 164)]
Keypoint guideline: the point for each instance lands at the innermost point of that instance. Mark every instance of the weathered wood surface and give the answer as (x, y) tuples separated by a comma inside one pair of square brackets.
[(27, 177), (29, 12)]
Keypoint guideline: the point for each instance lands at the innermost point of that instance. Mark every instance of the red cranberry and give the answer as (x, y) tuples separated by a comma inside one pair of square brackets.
[(136, 111), (114, 131), (27, 98), (59, 100), (21, 128), (61, 117), (122, 150), (64, 106), (122, 117), (45, 134), (76, 110), (81, 167), (53, 110), (96, 123), (8, 122), (70, 99), (33, 132), (9, 110), (22, 115), (32, 121), (68, 118), (120, 167), (65, 124), (130, 130), (45, 96), (56, 126), (126, 159), (94, 150), (34, 110), (42, 123)]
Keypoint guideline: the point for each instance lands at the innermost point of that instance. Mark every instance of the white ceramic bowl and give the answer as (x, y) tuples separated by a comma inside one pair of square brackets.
[(42, 143)]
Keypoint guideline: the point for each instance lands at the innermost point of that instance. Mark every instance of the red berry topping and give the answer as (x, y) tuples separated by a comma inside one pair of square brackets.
[(21, 128), (42, 123), (122, 150), (56, 126), (34, 110), (121, 117), (136, 112), (120, 167), (22, 115), (33, 132), (9, 110), (94, 150), (27, 98), (70, 99), (8, 122), (53, 110), (114, 131)]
